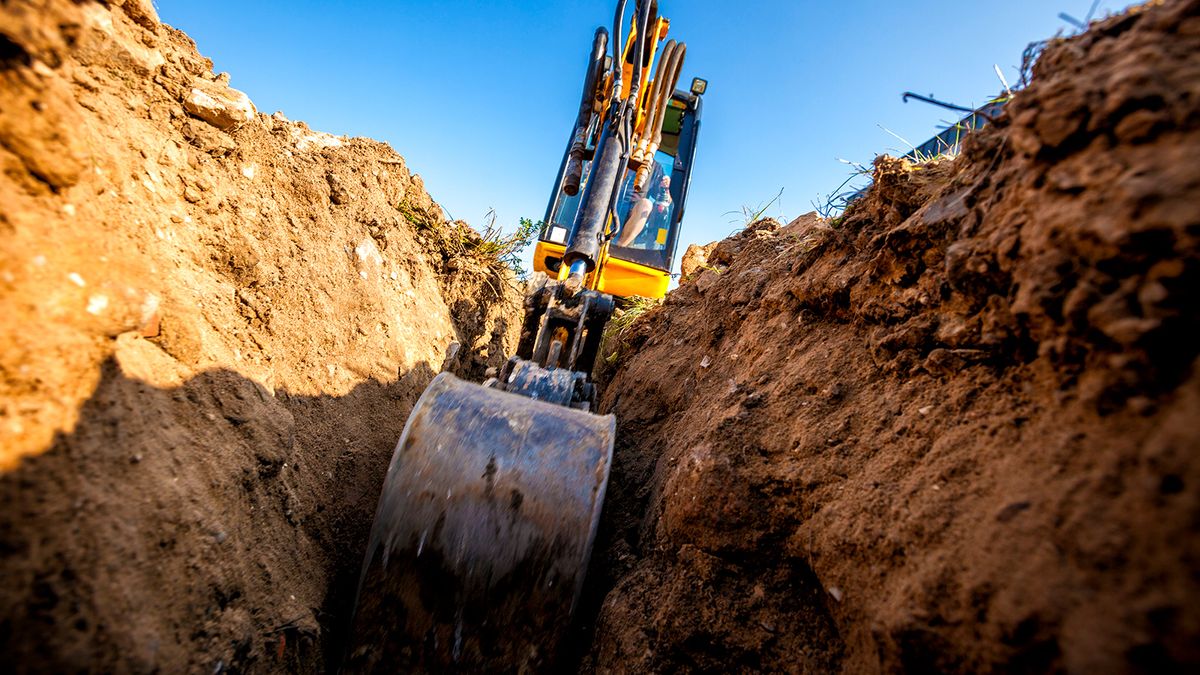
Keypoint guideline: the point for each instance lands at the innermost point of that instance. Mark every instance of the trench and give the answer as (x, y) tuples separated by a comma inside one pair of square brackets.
[(950, 430)]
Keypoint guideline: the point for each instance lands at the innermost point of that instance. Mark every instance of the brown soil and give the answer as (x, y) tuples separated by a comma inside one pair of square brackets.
[(953, 431), (214, 325)]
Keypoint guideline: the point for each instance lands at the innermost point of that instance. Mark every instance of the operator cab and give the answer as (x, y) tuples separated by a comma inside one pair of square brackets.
[(643, 253)]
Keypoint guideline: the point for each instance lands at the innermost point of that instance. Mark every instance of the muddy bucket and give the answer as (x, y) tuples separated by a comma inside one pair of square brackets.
[(483, 533)]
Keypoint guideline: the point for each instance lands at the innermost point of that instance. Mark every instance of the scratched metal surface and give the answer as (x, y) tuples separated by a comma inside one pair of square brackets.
[(482, 535)]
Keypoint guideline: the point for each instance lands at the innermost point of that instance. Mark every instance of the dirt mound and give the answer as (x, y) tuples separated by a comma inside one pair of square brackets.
[(953, 431), (215, 323)]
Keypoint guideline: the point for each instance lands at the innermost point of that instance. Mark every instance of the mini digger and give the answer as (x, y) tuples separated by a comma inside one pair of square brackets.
[(490, 506)]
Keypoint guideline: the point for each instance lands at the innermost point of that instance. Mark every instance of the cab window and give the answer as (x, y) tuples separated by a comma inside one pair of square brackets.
[(646, 216), (647, 219)]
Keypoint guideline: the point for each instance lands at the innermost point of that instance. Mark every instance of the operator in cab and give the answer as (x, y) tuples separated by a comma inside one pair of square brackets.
[(649, 214)]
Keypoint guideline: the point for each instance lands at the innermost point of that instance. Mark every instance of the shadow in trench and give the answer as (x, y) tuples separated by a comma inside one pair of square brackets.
[(211, 526)]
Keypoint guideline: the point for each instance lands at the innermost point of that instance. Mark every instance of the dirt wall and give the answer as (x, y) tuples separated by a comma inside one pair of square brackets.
[(951, 431), (214, 324)]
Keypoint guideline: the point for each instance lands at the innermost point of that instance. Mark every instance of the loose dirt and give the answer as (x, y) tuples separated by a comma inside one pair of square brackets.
[(214, 325), (954, 430)]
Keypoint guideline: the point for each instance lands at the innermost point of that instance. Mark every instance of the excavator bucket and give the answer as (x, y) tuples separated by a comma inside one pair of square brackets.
[(483, 533)]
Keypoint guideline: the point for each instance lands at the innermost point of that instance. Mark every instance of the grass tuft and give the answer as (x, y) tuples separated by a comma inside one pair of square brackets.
[(504, 250), (624, 317), (748, 215)]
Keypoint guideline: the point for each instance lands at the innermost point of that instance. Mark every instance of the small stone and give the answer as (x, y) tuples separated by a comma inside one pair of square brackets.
[(205, 137), (316, 140), (142, 12), (925, 410), (367, 252), (695, 258), (1142, 405), (836, 593), (1128, 331), (1139, 125), (1009, 512), (76, 279), (1152, 293), (223, 107), (151, 327), (337, 192), (705, 362), (97, 304)]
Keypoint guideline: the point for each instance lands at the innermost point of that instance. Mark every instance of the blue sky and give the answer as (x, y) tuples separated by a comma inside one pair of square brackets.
[(479, 96)]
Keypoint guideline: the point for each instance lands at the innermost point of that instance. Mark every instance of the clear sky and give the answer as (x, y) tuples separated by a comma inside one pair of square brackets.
[(479, 97)]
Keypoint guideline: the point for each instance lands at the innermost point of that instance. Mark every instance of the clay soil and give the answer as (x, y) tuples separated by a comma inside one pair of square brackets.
[(955, 430), (214, 324)]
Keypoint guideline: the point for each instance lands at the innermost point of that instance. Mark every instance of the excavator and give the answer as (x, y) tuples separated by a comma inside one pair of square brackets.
[(481, 540)]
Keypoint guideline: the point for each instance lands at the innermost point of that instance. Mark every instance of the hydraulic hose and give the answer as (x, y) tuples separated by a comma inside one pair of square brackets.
[(671, 81), (611, 160), (655, 98), (645, 8), (574, 172), (668, 72), (618, 45), (639, 50)]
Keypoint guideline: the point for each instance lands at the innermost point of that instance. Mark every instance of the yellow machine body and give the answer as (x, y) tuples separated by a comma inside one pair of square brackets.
[(622, 278), (622, 272)]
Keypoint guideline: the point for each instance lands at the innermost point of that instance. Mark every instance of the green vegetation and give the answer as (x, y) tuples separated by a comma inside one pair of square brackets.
[(495, 249), (418, 219), (627, 314), (506, 249), (623, 318), (945, 151), (748, 215), (839, 199)]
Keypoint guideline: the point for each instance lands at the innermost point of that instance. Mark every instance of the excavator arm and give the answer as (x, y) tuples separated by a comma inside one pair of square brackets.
[(485, 525)]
